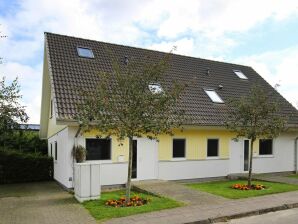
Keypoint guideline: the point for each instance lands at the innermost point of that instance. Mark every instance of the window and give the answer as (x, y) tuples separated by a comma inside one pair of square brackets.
[(240, 74), (85, 52), (155, 88), (51, 109), (265, 146), (214, 96), (178, 148), (51, 150), (212, 147), (56, 151), (98, 149)]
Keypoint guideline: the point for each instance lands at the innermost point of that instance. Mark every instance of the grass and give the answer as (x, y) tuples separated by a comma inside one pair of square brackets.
[(100, 211), (293, 176), (223, 188)]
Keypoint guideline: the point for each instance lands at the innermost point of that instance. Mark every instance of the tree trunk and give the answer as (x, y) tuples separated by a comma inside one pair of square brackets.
[(250, 162), (128, 183)]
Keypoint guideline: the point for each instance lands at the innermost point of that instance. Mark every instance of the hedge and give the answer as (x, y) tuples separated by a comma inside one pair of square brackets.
[(16, 167)]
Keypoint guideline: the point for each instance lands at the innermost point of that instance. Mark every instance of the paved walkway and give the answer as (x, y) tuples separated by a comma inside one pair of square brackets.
[(277, 177), (179, 192), (202, 213), (40, 203)]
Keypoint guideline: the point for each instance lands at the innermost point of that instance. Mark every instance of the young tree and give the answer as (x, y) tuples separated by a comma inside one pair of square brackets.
[(254, 116), (133, 100), (11, 111)]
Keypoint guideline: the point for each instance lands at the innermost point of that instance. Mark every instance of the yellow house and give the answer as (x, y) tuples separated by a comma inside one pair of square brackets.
[(204, 149)]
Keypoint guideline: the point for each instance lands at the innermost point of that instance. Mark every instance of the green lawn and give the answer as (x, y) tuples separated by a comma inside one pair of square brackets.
[(100, 211), (223, 188), (293, 176)]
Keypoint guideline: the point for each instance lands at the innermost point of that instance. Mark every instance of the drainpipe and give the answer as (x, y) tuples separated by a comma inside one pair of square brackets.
[(73, 158), (296, 155)]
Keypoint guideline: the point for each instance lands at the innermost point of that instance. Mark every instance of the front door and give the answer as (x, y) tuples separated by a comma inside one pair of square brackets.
[(144, 159), (246, 155), (134, 159)]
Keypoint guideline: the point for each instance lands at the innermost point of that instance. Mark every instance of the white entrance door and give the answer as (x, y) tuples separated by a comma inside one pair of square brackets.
[(147, 157), (236, 156)]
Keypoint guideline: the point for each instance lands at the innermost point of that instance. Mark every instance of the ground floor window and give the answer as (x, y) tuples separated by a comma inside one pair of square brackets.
[(178, 148), (56, 151), (265, 146), (212, 147), (98, 149)]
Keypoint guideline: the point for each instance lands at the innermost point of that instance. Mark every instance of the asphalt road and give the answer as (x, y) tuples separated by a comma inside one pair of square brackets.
[(289, 216)]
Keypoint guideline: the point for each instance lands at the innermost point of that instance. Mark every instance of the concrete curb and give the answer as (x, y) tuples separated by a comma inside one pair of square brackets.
[(245, 214)]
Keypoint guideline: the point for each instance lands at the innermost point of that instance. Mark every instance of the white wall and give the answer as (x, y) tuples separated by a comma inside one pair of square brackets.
[(282, 158), (63, 164), (190, 169)]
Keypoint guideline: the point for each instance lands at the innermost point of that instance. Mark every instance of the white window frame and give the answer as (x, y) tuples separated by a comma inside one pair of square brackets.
[(85, 48), (240, 74), (155, 88), (218, 148), (99, 161), (210, 94), (185, 149)]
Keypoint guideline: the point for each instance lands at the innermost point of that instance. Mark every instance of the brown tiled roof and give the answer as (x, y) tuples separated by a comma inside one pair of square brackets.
[(70, 72)]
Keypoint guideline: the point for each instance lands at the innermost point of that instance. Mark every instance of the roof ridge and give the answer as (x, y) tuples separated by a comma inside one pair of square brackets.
[(146, 49)]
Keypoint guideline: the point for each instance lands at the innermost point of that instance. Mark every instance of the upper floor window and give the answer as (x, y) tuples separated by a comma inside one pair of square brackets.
[(214, 96), (265, 146), (85, 52), (155, 88), (51, 109), (240, 74)]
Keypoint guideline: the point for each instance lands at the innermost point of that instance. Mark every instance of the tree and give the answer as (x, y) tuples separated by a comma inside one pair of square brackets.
[(254, 116), (133, 100), (11, 111)]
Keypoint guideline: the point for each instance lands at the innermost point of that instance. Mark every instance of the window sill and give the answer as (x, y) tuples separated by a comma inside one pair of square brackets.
[(212, 157), (178, 159), (264, 156), (98, 161)]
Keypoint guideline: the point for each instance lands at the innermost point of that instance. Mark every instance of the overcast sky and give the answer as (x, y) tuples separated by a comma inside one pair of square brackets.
[(262, 34)]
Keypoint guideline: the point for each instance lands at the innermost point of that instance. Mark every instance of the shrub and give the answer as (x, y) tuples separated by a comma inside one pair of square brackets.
[(18, 167), (79, 153)]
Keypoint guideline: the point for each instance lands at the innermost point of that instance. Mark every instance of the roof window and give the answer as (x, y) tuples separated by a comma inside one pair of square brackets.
[(155, 88), (240, 74), (213, 96), (85, 52)]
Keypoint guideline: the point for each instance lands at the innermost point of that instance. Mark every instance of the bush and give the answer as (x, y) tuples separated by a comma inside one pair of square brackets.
[(18, 167)]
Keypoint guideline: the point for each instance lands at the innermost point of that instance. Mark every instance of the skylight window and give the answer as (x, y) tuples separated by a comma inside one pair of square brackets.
[(155, 88), (214, 96), (85, 52), (240, 74)]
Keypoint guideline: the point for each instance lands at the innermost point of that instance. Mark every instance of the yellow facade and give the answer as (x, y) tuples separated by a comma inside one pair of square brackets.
[(196, 144)]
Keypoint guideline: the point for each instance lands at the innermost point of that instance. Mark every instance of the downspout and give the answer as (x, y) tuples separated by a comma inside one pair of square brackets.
[(296, 155), (73, 157)]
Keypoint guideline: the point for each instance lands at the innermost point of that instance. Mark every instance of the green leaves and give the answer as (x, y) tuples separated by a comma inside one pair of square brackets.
[(122, 104), (11, 111), (255, 116)]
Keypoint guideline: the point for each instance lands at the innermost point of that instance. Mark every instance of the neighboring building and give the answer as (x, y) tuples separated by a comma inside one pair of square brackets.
[(29, 127), (204, 149)]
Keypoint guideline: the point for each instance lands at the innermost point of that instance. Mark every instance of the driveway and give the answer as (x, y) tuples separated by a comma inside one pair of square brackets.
[(41, 202)]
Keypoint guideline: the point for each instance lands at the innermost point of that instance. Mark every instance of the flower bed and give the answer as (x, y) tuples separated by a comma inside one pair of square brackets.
[(245, 187), (134, 201)]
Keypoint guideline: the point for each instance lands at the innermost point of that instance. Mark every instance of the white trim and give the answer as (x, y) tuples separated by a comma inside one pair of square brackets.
[(212, 157), (178, 159)]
